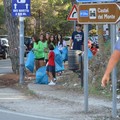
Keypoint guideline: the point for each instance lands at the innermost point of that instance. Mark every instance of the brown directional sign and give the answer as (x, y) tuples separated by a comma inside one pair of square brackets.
[(98, 13)]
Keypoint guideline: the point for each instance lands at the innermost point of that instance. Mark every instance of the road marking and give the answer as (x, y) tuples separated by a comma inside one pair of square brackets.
[(26, 115)]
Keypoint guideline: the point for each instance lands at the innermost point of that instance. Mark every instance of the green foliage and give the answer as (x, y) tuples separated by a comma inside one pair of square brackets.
[(51, 15), (2, 19), (2, 16)]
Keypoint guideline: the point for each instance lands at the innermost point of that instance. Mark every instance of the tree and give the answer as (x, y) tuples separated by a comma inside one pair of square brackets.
[(51, 15), (2, 19), (13, 37)]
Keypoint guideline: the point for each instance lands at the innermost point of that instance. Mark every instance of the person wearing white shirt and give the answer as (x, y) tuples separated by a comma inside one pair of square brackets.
[(61, 42)]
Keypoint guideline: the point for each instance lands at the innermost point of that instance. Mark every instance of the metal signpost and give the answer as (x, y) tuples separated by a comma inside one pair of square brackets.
[(21, 9), (85, 77), (102, 13), (114, 78)]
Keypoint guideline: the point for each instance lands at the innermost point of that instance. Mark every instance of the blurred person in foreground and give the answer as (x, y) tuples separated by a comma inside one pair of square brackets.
[(115, 57)]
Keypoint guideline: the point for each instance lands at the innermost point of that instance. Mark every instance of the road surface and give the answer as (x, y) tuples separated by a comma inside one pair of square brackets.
[(8, 115)]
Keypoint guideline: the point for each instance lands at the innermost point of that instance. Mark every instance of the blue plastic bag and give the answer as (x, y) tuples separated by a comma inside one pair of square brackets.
[(58, 56), (41, 76), (90, 54), (56, 50), (29, 64), (65, 54), (59, 68)]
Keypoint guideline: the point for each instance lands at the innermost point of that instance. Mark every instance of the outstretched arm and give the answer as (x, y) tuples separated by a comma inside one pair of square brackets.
[(111, 64)]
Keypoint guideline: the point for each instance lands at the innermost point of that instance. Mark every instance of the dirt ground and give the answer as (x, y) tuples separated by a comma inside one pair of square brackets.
[(8, 79), (68, 80), (12, 80)]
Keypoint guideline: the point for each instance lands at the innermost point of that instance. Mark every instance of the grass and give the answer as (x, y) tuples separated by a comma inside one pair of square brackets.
[(96, 90)]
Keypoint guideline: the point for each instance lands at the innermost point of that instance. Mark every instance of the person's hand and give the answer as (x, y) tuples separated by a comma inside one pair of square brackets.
[(105, 80)]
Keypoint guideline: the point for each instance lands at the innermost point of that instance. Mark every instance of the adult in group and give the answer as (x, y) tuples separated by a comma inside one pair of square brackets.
[(77, 39), (47, 35), (52, 40), (37, 51), (115, 57), (46, 50), (61, 42), (61, 45), (42, 46)]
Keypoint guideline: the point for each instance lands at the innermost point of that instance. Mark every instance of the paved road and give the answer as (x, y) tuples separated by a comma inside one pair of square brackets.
[(15, 98), (8, 115), (5, 66)]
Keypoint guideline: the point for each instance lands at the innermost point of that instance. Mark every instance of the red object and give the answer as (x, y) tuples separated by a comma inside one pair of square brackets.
[(94, 50), (51, 58), (89, 43)]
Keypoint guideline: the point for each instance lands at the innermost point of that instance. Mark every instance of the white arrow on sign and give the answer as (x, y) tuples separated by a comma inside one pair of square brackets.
[(26, 6), (15, 6)]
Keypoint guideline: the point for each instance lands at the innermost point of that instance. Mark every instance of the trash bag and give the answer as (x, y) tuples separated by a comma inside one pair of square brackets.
[(58, 57), (41, 76), (29, 64), (65, 54), (90, 54), (59, 68), (58, 60), (56, 50)]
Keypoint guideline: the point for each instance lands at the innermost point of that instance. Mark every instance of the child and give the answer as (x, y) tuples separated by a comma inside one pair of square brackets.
[(51, 65)]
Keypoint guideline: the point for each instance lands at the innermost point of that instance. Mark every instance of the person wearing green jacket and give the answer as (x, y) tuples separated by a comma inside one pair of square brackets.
[(38, 51), (46, 50)]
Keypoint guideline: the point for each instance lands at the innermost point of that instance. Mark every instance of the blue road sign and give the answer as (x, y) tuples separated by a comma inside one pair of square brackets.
[(20, 8), (84, 13), (96, 0)]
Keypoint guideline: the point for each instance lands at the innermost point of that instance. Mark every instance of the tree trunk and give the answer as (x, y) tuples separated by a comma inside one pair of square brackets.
[(13, 37)]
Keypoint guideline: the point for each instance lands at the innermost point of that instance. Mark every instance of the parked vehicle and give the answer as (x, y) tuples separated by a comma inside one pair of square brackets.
[(4, 48), (3, 36), (27, 42)]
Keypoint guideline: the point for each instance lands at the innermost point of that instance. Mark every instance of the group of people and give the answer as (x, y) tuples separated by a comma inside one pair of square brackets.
[(43, 46)]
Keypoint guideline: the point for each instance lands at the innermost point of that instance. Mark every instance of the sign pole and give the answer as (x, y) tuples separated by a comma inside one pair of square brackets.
[(21, 53), (114, 78), (21, 9), (74, 25), (86, 68)]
